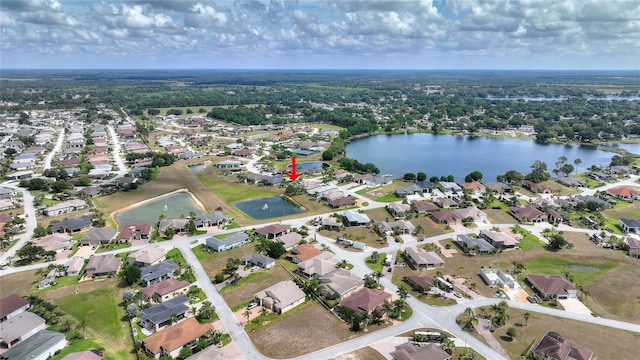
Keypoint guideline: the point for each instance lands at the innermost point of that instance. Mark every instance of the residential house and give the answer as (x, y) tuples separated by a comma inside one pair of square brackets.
[(555, 217), (449, 187), (74, 266), (65, 207), (177, 225), (280, 297), (374, 180), (353, 218), (472, 212), (49, 279), (396, 227), (57, 242), (330, 223), (169, 341), (422, 260), (165, 290), (147, 256), (303, 252), (273, 231), (135, 232), (216, 218), (446, 203), (633, 247), (289, 240), (474, 245), (445, 217), (424, 207), (260, 260), (319, 265), (399, 210), (420, 283), (499, 240), (6, 193), (163, 314), (409, 351), (230, 242), (347, 201), (103, 265), (497, 278), (11, 306), (624, 193), (98, 236), (552, 286), (528, 213), (20, 328), (332, 195), (553, 346), (426, 186), (474, 187), (341, 282), (570, 181), (365, 300), (40, 346), (226, 164), (499, 187), (408, 190), (73, 225), (537, 188), (158, 272)]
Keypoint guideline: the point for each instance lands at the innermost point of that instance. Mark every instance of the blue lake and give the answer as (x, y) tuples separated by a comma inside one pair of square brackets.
[(441, 155), (267, 208), (172, 207)]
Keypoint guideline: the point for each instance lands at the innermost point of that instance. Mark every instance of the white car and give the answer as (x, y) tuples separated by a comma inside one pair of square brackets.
[(252, 305)]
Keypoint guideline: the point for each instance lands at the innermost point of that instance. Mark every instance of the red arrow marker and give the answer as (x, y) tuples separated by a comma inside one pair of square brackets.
[(294, 175)]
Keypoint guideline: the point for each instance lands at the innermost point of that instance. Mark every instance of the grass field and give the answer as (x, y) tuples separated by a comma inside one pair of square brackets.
[(497, 216), (365, 353), (103, 318), (605, 342), (242, 292), (610, 294), (362, 234), (21, 283), (293, 334), (215, 262)]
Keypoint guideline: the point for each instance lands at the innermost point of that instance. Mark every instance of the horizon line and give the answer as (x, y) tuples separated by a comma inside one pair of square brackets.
[(312, 69)]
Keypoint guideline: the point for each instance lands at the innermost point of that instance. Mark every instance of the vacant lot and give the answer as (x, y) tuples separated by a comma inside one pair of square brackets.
[(497, 216), (102, 316), (365, 353), (21, 283), (363, 234), (306, 328), (242, 292), (604, 342), (215, 262), (610, 291)]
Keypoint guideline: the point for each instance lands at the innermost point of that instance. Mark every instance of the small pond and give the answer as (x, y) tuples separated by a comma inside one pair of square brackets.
[(311, 165), (196, 168), (269, 207), (172, 207), (583, 267)]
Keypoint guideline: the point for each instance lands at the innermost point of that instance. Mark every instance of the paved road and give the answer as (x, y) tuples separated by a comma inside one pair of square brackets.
[(30, 222), (122, 169), (48, 159)]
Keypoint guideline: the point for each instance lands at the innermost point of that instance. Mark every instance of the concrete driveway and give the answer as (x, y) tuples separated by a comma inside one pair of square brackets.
[(575, 306)]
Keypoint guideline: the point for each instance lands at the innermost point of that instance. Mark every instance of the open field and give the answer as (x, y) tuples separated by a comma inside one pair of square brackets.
[(21, 283), (559, 189), (215, 262), (360, 233), (382, 193), (103, 318), (400, 272), (365, 353), (429, 227), (610, 294), (497, 216), (242, 292), (294, 334), (605, 342)]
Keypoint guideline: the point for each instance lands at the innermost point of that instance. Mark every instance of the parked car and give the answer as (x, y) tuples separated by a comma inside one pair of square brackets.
[(456, 294), (532, 299), (252, 305)]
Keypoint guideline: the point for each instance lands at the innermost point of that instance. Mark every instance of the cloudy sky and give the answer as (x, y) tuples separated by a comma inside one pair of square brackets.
[(317, 34)]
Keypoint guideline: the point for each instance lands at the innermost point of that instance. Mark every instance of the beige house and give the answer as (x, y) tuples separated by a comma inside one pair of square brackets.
[(281, 297), (422, 260)]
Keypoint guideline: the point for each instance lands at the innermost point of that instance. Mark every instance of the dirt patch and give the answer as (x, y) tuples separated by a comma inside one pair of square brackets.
[(276, 340), (446, 252)]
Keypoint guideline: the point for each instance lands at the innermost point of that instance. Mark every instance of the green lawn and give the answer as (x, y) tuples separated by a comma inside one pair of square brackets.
[(377, 266), (555, 265), (390, 197), (231, 192), (59, 283), (81, 345), (529, 241), (102, 317)]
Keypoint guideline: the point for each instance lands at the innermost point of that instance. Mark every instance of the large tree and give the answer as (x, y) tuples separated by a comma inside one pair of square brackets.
[(130, 274)]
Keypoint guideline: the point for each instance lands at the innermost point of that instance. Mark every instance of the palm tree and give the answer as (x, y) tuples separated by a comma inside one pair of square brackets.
[(263, 312), (206, 310), (471, 322), (468, 311), (446, 343), (402, 292), (387, 308), (460, 269), (483, 312), (526, 315), (247, 314), (400, 305), (366, 317), (377, 275)]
